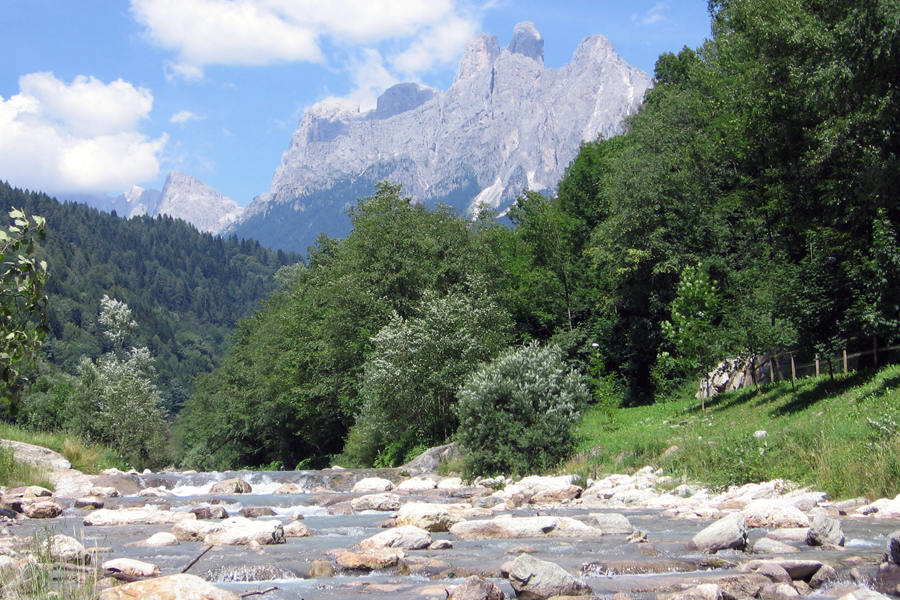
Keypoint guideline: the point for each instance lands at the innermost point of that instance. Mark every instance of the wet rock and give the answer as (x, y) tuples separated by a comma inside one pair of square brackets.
[(892, 554), (255, 512), (382, 502), (407, 537), (89, 503), (534, 579), (194, 531), (172, 587), (825, 575), (476, 588), (430, 517), (421, 566), (824, 530), (523, 527), (231, 486), (611, 523), (289, 488), (105, 492), (160, 540), (774, 513), (440, 545), (864, 594), (320, 569), (68, 550), (790, 534), (729, 532), (130, 566), (796, 568), (740, 587), (237, 531), (135, 516), (41, 509), (775, 572), (210, 512), (777, 591), (296, 529), (887, 579), (705, 591), (369, 561), (767, 545), (372, 485)]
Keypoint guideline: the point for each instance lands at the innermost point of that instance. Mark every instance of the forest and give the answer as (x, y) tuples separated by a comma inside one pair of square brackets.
[(750, 208)]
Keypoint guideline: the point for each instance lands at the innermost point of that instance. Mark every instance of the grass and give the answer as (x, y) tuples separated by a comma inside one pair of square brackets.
[(15, 474), (841, 436), (86, 457)]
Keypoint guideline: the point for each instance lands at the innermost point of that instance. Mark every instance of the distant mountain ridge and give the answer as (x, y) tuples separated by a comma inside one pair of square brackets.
[(182, 197), (506, 124)]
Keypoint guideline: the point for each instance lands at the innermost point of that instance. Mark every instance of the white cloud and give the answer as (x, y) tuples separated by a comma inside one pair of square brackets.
[(654, 15), (184, 116), (77, 137), (412, 36)]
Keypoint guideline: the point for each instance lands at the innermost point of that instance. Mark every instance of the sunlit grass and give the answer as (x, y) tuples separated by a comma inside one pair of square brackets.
[(86, 457)]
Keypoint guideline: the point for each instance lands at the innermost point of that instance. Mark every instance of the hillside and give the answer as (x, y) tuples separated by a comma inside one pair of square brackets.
[(186, 289)]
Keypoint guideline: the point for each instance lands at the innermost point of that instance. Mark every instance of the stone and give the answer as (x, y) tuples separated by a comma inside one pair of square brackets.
[(42, 509), (236, 531), (824, 530), (155, 492), (476, 588), (611, 568), (131, 566), (557, 496), (191, 530), (704, 591), (738, 587), (255, 512), (407, 537), (68, 550), (372, 485), (422, 566), (729, 532), (430, 517), (524, 527), (825, 575), (231, 486), (296, 529), (790, 534), (288, 488), (135, 516), (382, 502), (171, 587), (892, 554), (369, 561), (440, 545), (887, 579), (319, 569), (774, 513), (864, 594), (105, 492), (417, 484), (160, 540), (769, 546), (777, 591), (534, 579), (775, 572), (611, 523), (209, 512), (89, 503)]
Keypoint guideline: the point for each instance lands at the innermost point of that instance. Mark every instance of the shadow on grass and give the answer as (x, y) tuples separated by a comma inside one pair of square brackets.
[(826, 388)]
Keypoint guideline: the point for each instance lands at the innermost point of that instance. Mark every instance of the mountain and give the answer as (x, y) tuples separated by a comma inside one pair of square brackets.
[(182, 197), (506, 124)]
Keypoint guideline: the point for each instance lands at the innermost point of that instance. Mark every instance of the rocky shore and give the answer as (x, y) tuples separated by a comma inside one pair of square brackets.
[(399, 533)]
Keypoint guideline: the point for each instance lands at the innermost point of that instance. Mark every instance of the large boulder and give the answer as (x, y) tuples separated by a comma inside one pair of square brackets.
[(41, 509), (534, 579), (824, 531), (191, 530), (524, 527), (382, 502), (237, 531), (65, 549), (774, 513), (408, 537), (417, 484), (729, 532), (172, 587), (892, 554), (132, 567), (430, 517), (372, 485), (210, 512), (370, 560), (476, 588), (231, 486), (611, 523)]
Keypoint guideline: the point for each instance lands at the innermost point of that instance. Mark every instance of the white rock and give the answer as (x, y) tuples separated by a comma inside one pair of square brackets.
[(372, 485)]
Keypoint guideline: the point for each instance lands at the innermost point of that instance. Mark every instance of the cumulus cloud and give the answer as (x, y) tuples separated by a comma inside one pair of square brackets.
[(184, 116), (77, 137), (409, 36)]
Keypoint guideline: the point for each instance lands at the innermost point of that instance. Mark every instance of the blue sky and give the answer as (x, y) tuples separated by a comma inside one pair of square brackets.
[(99, 95)]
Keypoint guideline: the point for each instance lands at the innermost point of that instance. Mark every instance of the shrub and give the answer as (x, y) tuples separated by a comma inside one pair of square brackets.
[(517, 413)]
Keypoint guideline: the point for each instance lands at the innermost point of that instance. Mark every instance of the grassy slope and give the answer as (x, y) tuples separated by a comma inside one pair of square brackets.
[(842, 437)]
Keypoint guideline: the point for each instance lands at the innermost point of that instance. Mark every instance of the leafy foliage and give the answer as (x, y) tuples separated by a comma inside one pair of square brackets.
[(517, 413)]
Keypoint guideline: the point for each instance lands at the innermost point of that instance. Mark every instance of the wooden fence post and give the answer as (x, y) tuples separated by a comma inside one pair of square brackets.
[(793, 368), (845, 362)]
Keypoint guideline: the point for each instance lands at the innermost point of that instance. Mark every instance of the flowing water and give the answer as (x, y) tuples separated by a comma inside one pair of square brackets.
[(608, 564)]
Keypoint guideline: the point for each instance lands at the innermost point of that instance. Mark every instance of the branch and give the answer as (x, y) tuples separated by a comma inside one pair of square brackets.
[(194, 562), (260, 592)]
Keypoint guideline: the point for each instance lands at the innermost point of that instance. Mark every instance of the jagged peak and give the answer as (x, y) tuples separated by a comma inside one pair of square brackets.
[(527, 41), (595, 47), (481, 52), (333, 108), (401, 98)]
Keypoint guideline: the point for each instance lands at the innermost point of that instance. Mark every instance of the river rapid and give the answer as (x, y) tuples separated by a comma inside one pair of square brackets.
[(609, 564)]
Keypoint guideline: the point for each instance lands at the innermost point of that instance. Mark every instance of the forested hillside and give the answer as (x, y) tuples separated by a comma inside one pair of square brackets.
[(750, 208), (186, 289)]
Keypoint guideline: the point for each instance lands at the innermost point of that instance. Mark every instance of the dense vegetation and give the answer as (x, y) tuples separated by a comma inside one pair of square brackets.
[(187, 289), (750, 208)]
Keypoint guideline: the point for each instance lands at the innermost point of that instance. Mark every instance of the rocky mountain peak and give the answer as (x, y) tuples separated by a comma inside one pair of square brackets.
[(401, 98), (527, 41), (480, 53), (188, 198)]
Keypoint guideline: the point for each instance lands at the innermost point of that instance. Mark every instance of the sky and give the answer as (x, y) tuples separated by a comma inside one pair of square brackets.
[(100, 95)]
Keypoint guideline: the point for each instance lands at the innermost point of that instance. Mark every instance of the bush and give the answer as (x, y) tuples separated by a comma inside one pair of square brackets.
[(517, 413)]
